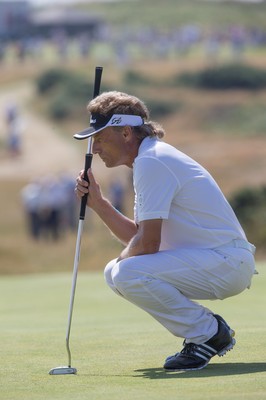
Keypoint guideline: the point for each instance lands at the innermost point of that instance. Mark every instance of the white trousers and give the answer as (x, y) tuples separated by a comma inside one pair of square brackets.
[(166, 285)]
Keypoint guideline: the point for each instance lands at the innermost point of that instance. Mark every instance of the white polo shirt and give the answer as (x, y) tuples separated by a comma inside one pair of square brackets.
[(172, 186)]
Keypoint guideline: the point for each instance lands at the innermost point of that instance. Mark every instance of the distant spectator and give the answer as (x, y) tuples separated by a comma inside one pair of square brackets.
[(2, 51), (84, 45), (14, 130), (117, 195), (60, 40), (11, 112), (238, 40), (51, 206), (70, 202), (213, 47), (21, 50), (31, 201)]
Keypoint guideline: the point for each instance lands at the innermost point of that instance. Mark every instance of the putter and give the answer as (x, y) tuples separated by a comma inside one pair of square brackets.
[(67, 370)]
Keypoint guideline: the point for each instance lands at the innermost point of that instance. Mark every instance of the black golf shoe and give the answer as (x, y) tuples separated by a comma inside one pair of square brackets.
[(197, 356), (219, 318)]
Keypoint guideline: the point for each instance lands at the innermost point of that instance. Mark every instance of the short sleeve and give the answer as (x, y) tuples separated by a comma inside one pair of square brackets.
[(155, 187)]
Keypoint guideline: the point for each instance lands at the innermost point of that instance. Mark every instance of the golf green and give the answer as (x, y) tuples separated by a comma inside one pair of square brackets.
[(117, 349)]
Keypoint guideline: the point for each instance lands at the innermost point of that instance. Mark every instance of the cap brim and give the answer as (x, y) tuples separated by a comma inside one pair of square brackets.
[(112, 121), (86, 133)]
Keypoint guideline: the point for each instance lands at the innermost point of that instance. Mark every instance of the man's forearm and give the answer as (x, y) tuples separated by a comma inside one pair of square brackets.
[(146, 241), (122, 227), (134, 248)]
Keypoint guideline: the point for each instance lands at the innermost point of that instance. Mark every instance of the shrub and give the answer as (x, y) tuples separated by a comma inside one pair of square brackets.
[(50, 79), (135, 78), (250, 207), (159, 108), (60, 107), (78, 88), (68, 93), (232, 76)]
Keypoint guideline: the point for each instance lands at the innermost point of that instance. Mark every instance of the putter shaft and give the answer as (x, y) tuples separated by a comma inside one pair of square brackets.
[(73, 289)]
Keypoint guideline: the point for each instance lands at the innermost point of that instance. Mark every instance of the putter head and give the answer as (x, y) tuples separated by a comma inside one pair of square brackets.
[(63, 371)]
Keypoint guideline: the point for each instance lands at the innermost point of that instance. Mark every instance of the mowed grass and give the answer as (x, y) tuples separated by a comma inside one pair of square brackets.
[(117, 349)]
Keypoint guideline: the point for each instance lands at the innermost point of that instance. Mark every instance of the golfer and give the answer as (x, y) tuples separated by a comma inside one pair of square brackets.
[(185, 242)]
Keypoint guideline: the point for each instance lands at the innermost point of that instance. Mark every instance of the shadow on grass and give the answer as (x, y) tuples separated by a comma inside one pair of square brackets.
[(211, 370)]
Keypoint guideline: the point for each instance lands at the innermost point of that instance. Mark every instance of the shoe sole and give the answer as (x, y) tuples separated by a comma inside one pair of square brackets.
[(186, 370), (227, 348)]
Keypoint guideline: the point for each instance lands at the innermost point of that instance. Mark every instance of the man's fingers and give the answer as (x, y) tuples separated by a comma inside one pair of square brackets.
[(91, 176), (80, 191), (82, 186), (81, 181)]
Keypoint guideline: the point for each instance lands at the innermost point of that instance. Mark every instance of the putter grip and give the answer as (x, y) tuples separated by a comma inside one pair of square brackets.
[(88, 157), (88, 160)]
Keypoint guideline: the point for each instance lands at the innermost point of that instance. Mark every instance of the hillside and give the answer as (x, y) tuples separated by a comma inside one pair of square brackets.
[(233, 157), (231, 146), (233, 150)]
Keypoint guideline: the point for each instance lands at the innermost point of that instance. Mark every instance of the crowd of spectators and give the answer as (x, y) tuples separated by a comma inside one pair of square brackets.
[(145, 42), (50, 207)]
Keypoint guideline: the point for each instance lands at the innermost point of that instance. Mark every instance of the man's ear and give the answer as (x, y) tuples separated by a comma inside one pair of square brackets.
[(127, 133)]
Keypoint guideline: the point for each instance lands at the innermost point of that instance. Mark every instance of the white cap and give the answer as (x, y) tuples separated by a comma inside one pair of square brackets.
[(98, 122)]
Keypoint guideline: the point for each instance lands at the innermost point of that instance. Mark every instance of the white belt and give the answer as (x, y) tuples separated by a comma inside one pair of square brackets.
[(240, 244)]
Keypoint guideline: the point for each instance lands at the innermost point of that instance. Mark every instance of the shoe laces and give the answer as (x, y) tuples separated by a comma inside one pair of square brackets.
[(189, 348)]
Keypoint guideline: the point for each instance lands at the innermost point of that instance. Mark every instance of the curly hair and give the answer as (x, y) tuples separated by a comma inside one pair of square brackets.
[(115, 102)]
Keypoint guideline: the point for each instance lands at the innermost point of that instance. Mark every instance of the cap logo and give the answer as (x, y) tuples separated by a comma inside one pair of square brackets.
[(116, 120)]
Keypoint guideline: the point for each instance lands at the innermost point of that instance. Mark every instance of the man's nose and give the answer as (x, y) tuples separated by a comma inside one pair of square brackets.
[(95, 148)]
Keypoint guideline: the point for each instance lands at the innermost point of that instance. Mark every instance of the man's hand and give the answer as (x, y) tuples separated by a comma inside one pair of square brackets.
[(92, 189), (121, 226)]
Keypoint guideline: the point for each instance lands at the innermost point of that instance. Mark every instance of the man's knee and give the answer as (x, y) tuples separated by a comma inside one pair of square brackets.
[(108, 272), (123, 274)]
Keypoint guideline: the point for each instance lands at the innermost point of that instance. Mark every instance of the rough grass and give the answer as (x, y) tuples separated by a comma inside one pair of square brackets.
[(117, 349)]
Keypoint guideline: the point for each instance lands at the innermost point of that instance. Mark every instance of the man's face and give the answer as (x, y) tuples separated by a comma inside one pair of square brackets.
[(111, 145)]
